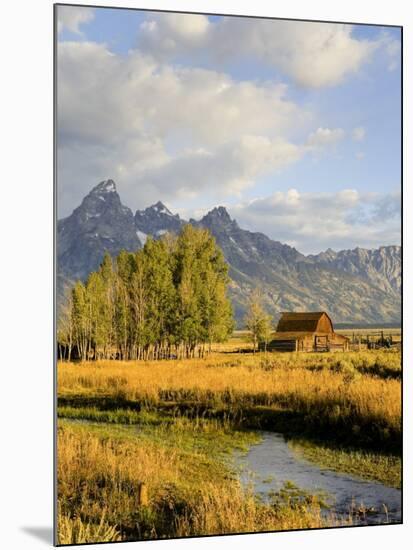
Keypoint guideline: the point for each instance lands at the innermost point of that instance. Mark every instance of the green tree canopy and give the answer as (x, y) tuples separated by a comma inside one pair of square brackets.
[(168, 299)]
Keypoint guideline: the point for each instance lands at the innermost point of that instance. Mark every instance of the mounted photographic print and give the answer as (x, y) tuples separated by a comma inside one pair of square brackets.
[(228, 274)]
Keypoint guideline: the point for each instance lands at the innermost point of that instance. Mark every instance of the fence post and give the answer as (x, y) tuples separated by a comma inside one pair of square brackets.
[(142, 494)]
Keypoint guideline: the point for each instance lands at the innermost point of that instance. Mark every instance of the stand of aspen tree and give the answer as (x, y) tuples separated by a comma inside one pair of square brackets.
[(165, 301)]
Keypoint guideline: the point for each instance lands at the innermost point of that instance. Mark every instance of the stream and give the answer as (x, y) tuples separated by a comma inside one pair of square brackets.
[(271, 463)]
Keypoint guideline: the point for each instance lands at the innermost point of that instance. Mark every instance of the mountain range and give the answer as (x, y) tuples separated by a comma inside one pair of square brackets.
[(353, 286)]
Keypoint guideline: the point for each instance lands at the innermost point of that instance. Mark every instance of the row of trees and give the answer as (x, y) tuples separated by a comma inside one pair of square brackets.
[(166, 300)]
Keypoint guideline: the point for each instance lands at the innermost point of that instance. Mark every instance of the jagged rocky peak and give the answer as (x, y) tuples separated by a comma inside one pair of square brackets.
[(157, 209), (330, 252), (156, 220), (326, 256), (218, 216), (102, 198), (361, 252), (104, 187), (101, 223), (160, 208)]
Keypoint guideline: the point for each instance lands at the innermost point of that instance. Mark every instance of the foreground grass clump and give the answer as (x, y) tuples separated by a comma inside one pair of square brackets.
[(76, 531), (190, 493), (354, 397), (377, 467)]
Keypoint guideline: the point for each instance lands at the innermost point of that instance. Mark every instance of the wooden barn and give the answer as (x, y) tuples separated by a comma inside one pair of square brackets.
[(307, 331)]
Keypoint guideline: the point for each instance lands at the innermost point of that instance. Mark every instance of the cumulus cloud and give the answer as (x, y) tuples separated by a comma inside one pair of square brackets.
[(359, 133), (228, 169), (71, 17), (165, 125), (168, 34), (392, 49), (163, 131), (325, 136), (315, 221), (312, 54)]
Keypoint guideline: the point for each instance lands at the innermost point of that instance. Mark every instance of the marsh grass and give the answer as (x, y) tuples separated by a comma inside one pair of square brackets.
[(294, 496), (352, 396), (117, 416), (192, 490), (367, 465), (75, 531)]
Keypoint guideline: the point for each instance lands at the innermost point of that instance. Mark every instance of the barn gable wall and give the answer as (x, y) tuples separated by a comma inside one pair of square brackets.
[(324, 324)]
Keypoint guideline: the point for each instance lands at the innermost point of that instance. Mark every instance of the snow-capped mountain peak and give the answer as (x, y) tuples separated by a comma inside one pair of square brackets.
[(105, 186), (157, 219), (160, 208)]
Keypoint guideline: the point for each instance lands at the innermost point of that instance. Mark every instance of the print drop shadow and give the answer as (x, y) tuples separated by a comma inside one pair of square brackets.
[(45, 534)]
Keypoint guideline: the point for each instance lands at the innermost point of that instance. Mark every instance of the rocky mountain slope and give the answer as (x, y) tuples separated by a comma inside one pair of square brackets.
[(100, 223), (382, 266), (354, 286), (350, 291)]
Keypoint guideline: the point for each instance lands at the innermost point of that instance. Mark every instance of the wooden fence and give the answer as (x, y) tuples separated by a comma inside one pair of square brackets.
[(381, 339)]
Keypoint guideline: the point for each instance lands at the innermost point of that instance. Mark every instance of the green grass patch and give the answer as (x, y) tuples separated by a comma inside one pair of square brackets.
[(364, 464), (117, 416), (186, 434)]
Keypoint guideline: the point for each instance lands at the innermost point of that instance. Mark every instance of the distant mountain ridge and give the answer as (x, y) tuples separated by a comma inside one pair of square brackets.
[(357, 285), (381, 266)]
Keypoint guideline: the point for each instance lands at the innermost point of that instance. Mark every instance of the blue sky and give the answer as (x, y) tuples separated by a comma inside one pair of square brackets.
[(269, 118)]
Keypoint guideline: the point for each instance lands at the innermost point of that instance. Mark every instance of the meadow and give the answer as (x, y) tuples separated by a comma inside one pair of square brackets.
[(175, 426)]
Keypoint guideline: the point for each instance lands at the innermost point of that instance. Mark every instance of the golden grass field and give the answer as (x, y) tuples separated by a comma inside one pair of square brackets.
[(317, 384), (175, 424)]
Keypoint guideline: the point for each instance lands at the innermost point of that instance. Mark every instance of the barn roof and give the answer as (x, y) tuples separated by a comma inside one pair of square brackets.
[(307, 321)]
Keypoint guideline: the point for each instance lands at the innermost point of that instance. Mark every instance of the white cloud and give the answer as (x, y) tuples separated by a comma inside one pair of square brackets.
[(392, 49), (312, 54), (71, 17), (359, 133), (175, 132), (325, 136), (163, 131), (170, 33), (226, 170), (315, 221)]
